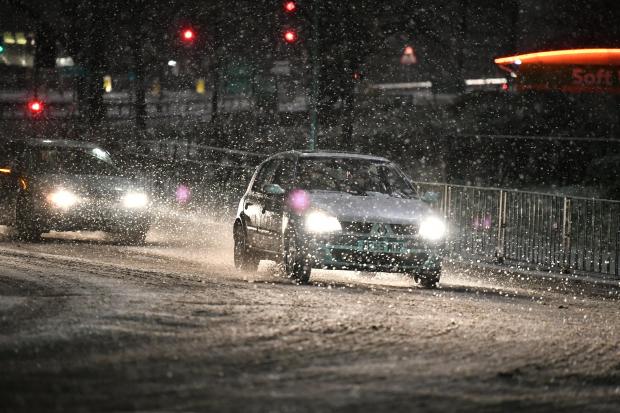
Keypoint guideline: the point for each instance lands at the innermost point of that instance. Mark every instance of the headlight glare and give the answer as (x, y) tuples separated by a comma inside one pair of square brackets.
[(320, 222), (432, 229), (63, 198), (135, 200)]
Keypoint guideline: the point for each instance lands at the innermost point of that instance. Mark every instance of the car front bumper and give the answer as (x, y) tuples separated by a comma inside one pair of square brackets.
[(99, 216), (362, 253)]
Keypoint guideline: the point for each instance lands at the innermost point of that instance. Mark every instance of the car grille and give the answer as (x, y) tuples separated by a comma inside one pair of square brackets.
[(377, 259), (357, 227), (404, 229), (365, 228)]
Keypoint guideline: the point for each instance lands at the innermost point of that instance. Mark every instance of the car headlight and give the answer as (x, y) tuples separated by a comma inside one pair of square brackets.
[(135, 200), (320, 222), (63, 198), (432, 229)]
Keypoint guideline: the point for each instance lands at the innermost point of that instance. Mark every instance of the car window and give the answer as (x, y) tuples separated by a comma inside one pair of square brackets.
[(265, 175), (397, 182), (285, 173), (355, 176), (74, 161)]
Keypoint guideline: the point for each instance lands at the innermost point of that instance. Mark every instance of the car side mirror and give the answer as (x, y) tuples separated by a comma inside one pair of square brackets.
[(430, 197), (273, 189)]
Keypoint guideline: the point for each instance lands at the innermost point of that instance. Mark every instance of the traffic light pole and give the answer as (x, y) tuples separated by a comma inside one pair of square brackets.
[(314, 91), (35, 77)]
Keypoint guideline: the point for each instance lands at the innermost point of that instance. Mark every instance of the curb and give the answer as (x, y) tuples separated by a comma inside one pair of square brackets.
[(600, 280)]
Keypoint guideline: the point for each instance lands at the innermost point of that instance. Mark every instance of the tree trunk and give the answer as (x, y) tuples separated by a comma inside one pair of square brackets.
[(348, 106), (215, 95), (348, 119), (87, 48), (140, 87), (94, 83)]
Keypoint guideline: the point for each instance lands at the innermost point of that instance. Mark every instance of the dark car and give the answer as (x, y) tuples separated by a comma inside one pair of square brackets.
[(337, 211), (67, 185)]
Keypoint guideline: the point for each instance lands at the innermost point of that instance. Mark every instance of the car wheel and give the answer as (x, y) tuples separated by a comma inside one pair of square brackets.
[(296, 265), (245, 259), (429, 279), (26, 226)]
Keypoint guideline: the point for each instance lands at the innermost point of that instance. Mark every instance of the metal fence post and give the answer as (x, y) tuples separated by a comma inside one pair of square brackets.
[(444, 207), (449, 202), (566, 236), (501, 227), (446, 212), (617, 269)]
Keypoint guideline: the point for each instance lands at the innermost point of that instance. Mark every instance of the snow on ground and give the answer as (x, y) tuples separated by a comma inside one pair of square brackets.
[(87, 324)]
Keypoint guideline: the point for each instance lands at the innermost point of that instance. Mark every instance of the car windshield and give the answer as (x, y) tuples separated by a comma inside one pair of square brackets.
[(365, 177), (74, 161)]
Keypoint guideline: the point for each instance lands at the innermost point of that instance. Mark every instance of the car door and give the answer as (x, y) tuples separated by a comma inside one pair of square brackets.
[(262, 201), (8, 181), (250, 208), (274, 204), (254, 200)]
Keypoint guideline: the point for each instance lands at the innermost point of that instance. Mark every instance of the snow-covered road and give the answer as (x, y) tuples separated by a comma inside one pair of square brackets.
[(89, 325)]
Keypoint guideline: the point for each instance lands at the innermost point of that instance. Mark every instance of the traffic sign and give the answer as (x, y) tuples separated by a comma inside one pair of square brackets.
[(408, 57)]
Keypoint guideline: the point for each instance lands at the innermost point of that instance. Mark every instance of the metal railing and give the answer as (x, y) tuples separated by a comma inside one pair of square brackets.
[(540, 230)]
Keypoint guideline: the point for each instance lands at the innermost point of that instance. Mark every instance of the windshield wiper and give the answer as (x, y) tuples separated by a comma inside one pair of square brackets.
[(356, 192)]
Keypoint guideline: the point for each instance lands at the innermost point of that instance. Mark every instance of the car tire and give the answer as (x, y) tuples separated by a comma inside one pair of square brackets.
[(429, 279), (26, 226), (245, 259), (296, 265)]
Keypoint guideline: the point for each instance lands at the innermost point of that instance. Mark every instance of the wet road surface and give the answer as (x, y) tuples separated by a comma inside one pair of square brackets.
[(89, 325)]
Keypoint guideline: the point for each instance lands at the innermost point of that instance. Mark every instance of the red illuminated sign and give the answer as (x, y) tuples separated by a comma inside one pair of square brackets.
[(600, 77), (571, 71)]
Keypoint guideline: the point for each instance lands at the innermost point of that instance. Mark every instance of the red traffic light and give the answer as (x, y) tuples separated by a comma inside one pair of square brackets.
[(290, 6), (188, 35), (35, 106), (290, 36)]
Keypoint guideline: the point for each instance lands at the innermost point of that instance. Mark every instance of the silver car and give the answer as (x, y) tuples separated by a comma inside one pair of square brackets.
[(337, 211), (66, 186)]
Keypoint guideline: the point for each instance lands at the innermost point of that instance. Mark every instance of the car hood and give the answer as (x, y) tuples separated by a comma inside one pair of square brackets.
[(370, 208), (93, 185)]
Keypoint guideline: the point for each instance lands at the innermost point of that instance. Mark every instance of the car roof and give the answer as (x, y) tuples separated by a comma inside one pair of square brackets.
[(331, 154), (40, 142)]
